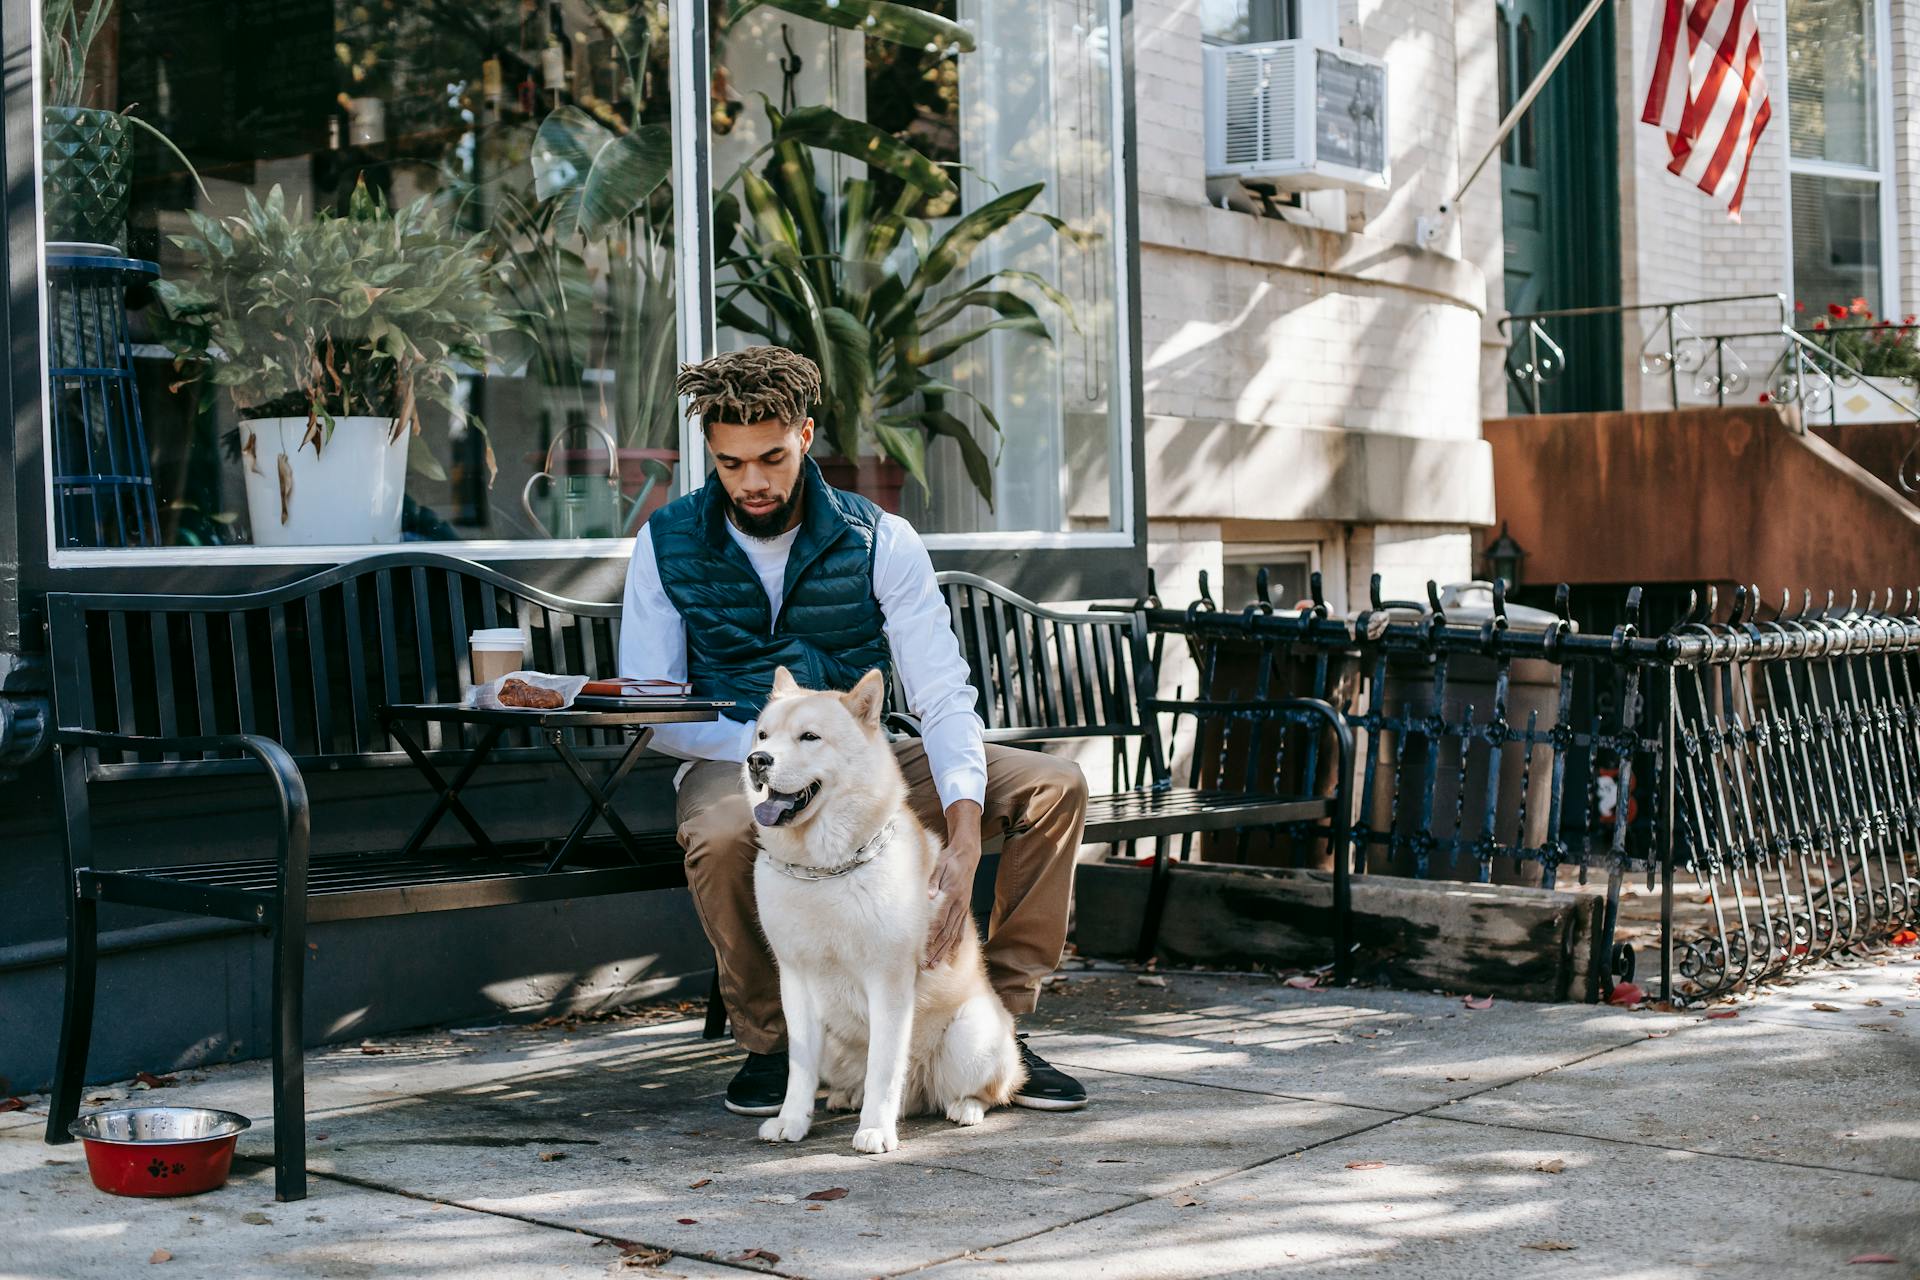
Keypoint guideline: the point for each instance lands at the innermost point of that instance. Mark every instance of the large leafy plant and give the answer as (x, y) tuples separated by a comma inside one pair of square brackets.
[(577, 212), (862, 286), (373, 312)]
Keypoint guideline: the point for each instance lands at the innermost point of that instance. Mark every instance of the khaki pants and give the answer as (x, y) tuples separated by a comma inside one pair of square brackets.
[(1038, 802)]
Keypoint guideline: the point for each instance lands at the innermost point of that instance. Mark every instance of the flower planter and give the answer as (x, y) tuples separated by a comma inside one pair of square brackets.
[(1855, 403), (882, 480), (347, 493), (88, 162)]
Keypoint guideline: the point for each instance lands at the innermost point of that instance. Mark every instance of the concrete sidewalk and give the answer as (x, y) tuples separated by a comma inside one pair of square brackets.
[(1240, 1127)]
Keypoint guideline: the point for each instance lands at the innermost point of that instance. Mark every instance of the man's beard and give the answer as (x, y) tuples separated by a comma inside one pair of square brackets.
[(770, 525)]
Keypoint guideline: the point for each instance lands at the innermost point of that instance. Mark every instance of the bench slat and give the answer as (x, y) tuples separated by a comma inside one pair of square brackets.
[(201, 645), (160, 640), (317, 673), (364, 733), (286, 727), (242, 672)]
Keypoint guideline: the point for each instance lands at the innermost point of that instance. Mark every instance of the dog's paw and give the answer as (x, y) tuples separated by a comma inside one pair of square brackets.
[(966, 1111), (785, 1129), (875, 1141)]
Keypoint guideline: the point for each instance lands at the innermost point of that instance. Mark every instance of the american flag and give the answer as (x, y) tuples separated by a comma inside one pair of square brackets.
[(1707, 93)]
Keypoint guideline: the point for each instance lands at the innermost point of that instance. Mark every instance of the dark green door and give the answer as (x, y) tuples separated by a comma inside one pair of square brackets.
[(1559, 206)]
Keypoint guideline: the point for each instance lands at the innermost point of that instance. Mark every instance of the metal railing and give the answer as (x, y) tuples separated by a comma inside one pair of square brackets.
[(1744, 793), (1669, 349)]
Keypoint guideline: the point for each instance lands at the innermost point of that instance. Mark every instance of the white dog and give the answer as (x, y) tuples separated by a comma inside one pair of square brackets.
[(842, 882)]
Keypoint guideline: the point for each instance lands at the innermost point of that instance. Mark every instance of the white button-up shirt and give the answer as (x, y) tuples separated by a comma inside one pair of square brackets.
[(919, 630)]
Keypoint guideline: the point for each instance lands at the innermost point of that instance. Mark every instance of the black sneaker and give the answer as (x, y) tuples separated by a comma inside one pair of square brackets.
[(760, 1086), (1047, 1088)]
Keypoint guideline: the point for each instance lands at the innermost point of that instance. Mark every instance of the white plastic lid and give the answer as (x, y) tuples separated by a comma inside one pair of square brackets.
[(498, 638)]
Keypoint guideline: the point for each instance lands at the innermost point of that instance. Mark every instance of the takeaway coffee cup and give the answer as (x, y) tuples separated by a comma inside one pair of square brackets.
[(497, 651)]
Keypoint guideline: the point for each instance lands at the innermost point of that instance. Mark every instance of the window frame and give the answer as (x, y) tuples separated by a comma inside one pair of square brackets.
[(1112, 561), (1881, 175)]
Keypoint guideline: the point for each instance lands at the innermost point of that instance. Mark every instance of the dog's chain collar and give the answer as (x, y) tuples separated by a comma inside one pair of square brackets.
[(862, 856)]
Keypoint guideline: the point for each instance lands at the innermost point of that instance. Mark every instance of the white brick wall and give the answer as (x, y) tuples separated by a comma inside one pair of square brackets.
[(1295, 344)]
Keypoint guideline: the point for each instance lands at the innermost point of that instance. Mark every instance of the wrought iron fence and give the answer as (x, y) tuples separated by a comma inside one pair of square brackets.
[(1744, 793)]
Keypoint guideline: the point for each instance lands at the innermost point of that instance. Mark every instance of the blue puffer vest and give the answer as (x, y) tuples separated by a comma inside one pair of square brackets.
[(830, 631)]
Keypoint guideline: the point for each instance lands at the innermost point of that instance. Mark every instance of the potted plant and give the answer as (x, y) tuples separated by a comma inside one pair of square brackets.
[(1882, 353), (86, 151), (331, 334)]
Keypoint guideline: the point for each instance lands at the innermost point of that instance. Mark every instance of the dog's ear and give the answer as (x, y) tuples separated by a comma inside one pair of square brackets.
[(783, 684), (867, 698)]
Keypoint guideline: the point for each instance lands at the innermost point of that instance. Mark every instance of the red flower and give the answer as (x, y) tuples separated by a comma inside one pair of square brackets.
[(1799, 306), (1909, 318), (1859, 307), (1765, 398), (1837, 311), (1819, 324)]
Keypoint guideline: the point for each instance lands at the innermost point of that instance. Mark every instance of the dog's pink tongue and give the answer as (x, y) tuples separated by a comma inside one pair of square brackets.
[(771, 812)]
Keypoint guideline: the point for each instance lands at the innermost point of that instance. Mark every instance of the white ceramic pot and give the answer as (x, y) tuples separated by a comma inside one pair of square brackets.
[(1856, 402), (349, 493)]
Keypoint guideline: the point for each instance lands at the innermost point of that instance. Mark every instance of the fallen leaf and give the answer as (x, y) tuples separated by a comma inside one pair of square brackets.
[(286, 489), (548, 1157), (687, 1222), (1823, 1007), (1477, 1002), (1626, 993), (1549, 1246), (153, 1081), (831, 1193), (704, 1182), (1302, 982), (1458, 1079), (256, 1219), (1181, 1200), (1722, 1013), (1368, 1164), (759, 1255), (1871, 1257), (160, 1255), (1112, 1160), (12, 1104), (371, 1051), (1551, 1166), (1150, 980), (1871, 1004), (816, 1208), (1905, 938)]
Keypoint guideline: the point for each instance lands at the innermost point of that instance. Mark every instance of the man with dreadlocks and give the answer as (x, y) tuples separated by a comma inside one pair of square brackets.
[(769, 566)]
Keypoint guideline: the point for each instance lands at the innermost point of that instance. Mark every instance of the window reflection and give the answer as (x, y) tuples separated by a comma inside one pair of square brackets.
[(453, 224)]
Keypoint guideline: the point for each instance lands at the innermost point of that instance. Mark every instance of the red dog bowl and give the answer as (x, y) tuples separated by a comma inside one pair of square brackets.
[(159, 1151)]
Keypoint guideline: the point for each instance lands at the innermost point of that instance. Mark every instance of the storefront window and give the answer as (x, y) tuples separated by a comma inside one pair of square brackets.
[(922, 198), (347, 273)]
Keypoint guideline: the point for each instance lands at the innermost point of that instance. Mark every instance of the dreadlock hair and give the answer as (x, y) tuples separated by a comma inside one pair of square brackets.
[(750, 385)]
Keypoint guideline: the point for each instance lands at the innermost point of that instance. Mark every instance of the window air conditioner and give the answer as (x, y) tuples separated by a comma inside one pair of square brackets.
[(1297, 114)]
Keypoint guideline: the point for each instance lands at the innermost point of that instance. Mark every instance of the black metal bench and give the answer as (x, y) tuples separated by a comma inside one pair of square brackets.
[(1053, 675), (290, 680)]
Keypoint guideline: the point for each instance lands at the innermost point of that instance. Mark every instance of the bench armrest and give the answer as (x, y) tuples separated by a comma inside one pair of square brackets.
[(290, 788), (902, 723)]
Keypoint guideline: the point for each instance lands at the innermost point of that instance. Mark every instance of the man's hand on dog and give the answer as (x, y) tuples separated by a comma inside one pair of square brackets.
[(952, 885)]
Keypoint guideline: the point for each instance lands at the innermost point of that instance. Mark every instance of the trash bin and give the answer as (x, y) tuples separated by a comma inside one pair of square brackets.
[(1533, 689)]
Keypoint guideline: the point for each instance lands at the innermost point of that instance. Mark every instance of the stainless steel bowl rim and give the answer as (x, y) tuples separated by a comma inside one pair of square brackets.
[(231, 1124)]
